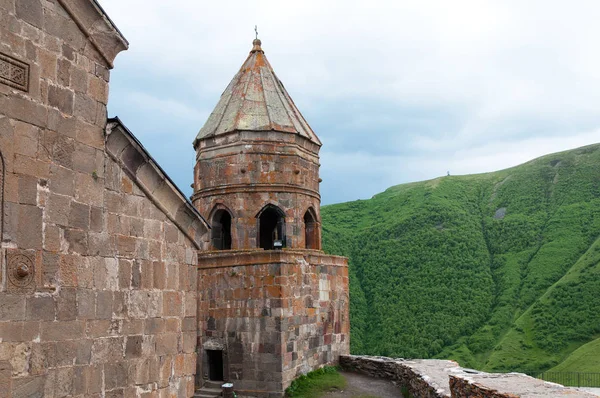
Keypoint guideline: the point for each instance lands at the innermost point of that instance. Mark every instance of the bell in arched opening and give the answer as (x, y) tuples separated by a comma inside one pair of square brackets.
[(271, 228)]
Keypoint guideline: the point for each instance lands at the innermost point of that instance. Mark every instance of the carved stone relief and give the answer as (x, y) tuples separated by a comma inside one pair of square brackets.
[(20, 270), (14, 73)]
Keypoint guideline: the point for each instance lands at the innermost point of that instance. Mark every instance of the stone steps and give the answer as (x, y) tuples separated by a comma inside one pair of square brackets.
[(211, 389)]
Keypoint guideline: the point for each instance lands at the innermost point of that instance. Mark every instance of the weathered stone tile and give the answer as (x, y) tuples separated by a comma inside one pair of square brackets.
[(41, 308)]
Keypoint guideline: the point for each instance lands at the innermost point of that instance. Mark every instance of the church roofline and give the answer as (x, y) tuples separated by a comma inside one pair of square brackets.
[(256, 100), (125, 149), (97, 27)]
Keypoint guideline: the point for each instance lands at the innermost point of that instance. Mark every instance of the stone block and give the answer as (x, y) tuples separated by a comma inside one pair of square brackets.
[(124, 273), (64, 28), (189, 342), (64, 382), (115, 375), (58, 209), (68, 269), (172, 304), (85, 273), (97, 223), (108, 349), (48, 66), (101, 244), (86, 304), (79, 80), (62, 180), (159, 274), (80, 380), (41, 308), (133, 347), (101, 328), (63, 72), (89, 189), (139, 371), (63, 330), (28, 387), (104, 305), (23, 109), (126, 246), (166, 344), (30, 237), (137, 227), (30, 11), (66, 303), (72, 352), (132, 326), (84, 107), (95, 380), (155, 326), (79, 215), (28, 190), (90, 134), (116, 143), (64, 150), (165, 371), (26, 139), (84, 159), (61, 98), (119, 305), (166, 195), (50, 266), (65, 125), (30, 166)]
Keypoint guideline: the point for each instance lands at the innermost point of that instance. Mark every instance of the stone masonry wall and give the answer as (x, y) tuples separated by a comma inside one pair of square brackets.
[(403, 373), (243, 172), (97, 285), (433, 378), (275, 314)]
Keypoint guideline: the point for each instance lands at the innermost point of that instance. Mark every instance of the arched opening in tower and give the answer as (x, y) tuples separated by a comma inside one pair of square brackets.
[(271, 228), (221, 230), (310, 230)]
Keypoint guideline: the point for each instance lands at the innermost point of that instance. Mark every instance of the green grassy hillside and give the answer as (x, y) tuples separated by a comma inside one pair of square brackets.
[(583, 359), (499, 271)]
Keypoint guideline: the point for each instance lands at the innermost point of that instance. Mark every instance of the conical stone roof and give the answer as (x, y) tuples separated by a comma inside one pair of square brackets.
[(256, 100)]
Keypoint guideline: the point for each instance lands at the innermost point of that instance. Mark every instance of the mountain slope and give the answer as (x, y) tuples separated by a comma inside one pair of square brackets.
[(499, 270)]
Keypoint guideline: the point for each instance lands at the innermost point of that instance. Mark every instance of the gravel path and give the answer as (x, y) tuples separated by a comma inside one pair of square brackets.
[(365, 387)]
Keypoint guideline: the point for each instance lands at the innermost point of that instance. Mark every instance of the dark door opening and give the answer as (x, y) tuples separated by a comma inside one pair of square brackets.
[(215, 365), (221, 230), (271, 228)]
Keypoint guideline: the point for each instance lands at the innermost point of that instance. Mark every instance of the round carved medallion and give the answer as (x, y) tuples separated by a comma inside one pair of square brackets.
[(20, 270)]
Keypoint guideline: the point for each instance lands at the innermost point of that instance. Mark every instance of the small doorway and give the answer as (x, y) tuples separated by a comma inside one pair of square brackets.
[(215, 364)]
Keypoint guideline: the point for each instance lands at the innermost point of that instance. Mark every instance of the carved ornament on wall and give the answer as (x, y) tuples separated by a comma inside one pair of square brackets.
[(20, 268), (14, 73)]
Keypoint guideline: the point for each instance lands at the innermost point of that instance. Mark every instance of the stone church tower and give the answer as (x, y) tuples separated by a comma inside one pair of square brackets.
[(257, 158), (271, 304)]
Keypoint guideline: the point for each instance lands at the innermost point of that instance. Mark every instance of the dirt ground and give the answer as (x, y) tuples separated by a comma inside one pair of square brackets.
[(365, 387)]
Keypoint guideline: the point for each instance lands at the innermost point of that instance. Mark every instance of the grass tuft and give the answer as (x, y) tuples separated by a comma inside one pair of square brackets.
[(315, 383)]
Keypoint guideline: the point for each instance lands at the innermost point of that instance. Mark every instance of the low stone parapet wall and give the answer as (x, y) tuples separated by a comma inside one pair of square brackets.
[(409, 374), (433, 378), (508, 385)]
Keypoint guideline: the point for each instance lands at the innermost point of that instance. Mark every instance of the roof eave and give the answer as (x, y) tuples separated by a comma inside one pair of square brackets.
[(153, 181), (98, 28)]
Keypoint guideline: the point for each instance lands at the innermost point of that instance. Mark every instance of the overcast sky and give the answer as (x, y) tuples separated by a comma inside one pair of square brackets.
[(398, 91)]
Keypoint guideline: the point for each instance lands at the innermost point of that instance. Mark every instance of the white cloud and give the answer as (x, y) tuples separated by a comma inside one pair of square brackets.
[(520, 76), (167, 107)]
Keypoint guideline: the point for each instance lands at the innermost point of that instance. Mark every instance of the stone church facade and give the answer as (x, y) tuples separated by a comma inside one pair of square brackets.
[(112, 283)]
